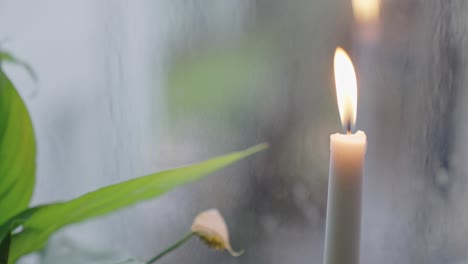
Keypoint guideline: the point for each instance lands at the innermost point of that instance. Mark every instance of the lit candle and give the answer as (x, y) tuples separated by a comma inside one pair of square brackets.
[(342, 234)]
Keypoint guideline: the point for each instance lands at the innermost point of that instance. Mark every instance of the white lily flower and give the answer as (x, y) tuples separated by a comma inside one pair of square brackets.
[(211, 228)]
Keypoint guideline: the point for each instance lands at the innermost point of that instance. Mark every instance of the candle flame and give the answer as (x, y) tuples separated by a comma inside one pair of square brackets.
[(346, 88), (366, 11)]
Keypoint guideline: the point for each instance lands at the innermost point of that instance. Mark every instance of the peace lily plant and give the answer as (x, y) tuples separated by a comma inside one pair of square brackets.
[(25, 229)]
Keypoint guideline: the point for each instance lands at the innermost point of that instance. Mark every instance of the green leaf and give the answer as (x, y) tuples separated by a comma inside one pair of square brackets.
[(5, 249), (39, 223), (17, 152), (8, 57)]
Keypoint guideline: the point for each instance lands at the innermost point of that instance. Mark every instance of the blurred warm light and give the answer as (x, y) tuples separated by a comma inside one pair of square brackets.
[(366, 11), (346, 88)]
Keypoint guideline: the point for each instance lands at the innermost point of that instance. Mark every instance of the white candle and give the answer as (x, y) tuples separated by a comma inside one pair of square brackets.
[(347, 151)]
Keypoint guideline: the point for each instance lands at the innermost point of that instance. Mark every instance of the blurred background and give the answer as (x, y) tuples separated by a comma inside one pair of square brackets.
[(131, 87)]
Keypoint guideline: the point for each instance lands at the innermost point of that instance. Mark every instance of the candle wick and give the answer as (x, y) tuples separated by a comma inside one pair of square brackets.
[(348, 127)]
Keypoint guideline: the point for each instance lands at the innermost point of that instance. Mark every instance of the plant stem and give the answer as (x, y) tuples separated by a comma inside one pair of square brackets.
[(171, 248)]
